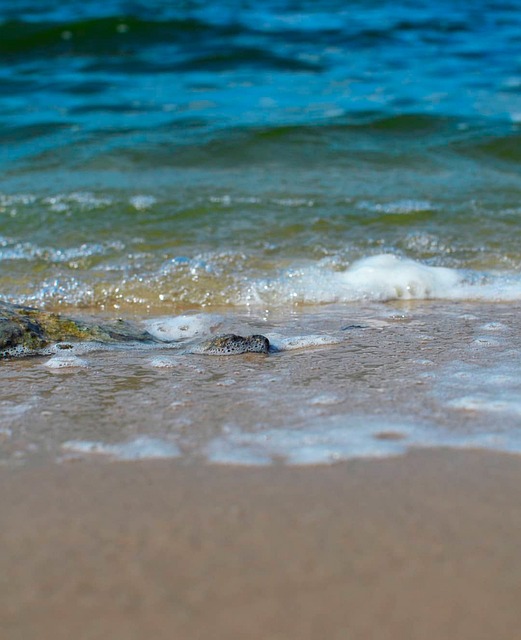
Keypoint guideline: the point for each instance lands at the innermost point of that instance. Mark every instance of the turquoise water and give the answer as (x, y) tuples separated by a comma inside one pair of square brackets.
[(159, 156)]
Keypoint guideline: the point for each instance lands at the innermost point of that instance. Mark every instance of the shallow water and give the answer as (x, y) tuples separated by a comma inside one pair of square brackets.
[(291, 169), (379, 379), (156, 156)]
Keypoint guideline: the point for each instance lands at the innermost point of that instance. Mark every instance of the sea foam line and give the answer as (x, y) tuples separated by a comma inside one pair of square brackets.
[(381, 278)]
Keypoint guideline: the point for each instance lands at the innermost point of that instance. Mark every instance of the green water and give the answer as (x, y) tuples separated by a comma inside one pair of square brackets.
[(198, 154)]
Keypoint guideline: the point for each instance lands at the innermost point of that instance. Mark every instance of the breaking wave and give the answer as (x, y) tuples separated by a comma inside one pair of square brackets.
[(381, 278)]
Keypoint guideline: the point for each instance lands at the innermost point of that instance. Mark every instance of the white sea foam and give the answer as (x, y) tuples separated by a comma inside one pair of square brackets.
[(381, 277), (183, 327), (68, 361), (326, 398), (485, 403), (11, 411), (486, 341), (494, 326), (338, 438), (490, 390), (142, 202), (326, 441), (63, 202), (403, 207), (141, 448), (7, 199)]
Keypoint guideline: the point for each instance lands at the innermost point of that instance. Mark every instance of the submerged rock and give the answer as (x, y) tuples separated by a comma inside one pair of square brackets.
[(26, 330)]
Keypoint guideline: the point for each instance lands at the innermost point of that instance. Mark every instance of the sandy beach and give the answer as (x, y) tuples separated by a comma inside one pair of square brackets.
[(341, 179), (424, 546)]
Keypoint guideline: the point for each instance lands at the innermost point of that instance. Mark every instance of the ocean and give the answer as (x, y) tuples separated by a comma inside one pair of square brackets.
[(343, 177)]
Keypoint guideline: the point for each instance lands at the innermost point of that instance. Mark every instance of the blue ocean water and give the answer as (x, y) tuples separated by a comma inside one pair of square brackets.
[(343, 177), (199, 153)]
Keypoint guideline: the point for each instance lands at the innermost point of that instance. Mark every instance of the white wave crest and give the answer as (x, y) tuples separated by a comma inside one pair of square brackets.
[(381, 278)]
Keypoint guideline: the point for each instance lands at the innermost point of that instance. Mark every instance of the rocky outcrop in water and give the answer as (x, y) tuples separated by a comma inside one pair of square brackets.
[(26, 331)]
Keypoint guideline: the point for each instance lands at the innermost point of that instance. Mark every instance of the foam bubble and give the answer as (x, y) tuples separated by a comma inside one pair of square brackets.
[(400, 207), (229, 382), (486, 341), (162, 362), (141, 448), (141, 202), (183, 327), (66, 362), (494, 326), (326, 399), (63, 201)]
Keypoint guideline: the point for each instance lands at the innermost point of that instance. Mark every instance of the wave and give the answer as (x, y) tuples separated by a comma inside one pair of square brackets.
[(229, 282), (103, 35), (196, 138), (382, 278), (504, 148), (185, 44), (202, 137)]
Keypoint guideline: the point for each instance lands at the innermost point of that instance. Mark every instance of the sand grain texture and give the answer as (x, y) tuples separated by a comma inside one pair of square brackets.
[(421, 547)]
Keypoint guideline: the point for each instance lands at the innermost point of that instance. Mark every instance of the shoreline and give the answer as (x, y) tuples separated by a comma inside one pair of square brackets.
[(422, 546), (433, 376)]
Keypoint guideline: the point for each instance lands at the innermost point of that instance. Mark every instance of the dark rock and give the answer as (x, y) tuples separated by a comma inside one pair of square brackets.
[(25, 330), (231, 344)]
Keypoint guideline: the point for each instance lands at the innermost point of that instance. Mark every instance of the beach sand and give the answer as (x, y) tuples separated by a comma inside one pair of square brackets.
[(423, 546), (342, 178)]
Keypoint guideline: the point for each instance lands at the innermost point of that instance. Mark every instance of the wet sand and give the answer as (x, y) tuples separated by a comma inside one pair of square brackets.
[(423, 546)]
